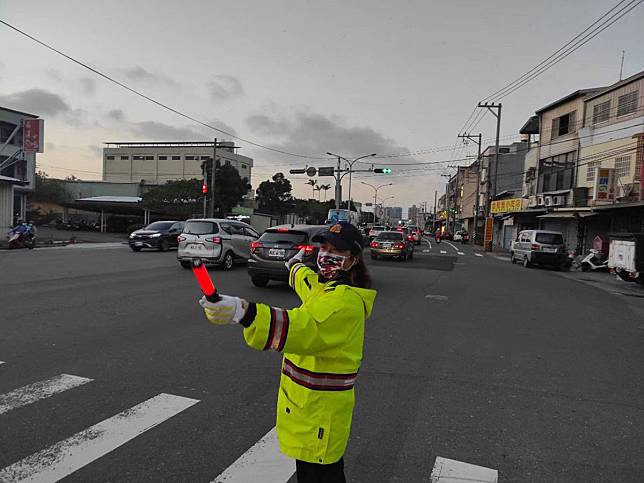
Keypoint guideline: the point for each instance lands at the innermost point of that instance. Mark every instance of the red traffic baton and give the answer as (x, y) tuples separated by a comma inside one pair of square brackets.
[(204, 280)]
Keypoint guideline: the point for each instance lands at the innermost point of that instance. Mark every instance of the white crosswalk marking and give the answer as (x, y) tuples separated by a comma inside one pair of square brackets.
[(443, 252), (460, 253), (65, 457), (262, 462), (478, 254), (452, 471), (1, 362), (39, 390)]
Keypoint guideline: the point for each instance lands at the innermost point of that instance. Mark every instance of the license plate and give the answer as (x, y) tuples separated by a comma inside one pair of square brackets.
[(550, 250), (138, 244), (276, 252), (386, 245), (196, 247)]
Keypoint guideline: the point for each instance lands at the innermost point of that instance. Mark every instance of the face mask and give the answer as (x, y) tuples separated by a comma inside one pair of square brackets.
[(329, 263)]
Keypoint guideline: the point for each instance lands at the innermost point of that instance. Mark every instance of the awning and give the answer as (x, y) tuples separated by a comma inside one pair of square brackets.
[(8, 179), (574, 214)]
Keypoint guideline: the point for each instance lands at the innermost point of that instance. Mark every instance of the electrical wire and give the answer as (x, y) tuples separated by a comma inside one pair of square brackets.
[(150, 99)]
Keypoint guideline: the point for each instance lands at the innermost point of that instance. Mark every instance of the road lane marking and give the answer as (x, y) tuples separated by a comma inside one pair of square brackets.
[(460, 253), (262, 462), (453, 246), (443, 252), (1, 362), (65, 457), (39, 390), (478, 254), (438, 298), (452, 471), (426, 251)]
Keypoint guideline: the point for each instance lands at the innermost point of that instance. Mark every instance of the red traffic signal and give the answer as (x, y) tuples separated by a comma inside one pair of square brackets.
[(204, 188)]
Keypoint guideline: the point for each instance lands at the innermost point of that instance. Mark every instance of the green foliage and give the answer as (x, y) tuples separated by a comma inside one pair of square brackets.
[(179, 199), (229, 188), (274, 196), (48, 189)]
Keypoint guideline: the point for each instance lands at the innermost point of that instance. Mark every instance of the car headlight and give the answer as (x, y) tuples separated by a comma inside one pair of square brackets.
[(155, 235), (131, 235)]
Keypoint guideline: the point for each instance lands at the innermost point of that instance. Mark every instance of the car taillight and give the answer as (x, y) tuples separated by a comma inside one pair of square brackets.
[(374, 244), (308, 249), (399, 245), (181, 238), (410, 237), (535, 247), (255, 245), (282, 230), (214, 239)]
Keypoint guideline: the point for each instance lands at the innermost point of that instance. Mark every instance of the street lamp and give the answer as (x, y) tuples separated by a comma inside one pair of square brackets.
[(350, 163), (375, 195), (382, 203)]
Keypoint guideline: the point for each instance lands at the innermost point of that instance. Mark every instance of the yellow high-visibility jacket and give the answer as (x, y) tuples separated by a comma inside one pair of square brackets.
[(321, 342)]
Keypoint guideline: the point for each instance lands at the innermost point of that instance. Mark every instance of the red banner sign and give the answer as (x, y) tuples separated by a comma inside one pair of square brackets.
[(33, 135)]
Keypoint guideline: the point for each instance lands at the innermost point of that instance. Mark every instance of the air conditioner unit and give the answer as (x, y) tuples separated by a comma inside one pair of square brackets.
[(532, 202), (547, 201), (540, 201), (559, 200)]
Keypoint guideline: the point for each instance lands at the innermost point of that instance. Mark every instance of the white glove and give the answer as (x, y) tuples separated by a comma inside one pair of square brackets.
[(298, 257), (227, 310)]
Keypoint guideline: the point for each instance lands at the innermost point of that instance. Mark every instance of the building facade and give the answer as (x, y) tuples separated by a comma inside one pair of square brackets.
[(156, 163), (17, 167)]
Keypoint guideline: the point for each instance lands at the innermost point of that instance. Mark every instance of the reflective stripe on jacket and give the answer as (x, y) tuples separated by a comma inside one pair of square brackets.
[(321, 342)]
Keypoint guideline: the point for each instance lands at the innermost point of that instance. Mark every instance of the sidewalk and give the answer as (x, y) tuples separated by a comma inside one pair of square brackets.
[(606, 281), (51, 237)]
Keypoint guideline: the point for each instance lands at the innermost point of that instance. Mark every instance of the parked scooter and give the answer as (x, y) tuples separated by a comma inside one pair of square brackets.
[(594, 260)]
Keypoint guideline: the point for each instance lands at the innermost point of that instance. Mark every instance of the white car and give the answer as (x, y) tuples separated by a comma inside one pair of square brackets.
[(375, 231), (458, 236)]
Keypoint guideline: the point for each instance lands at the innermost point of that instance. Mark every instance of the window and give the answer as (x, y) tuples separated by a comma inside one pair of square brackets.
[(163, 158), (176, 158), (227, 163), (555, 173), (250, 232), (549, 238), (6, 128), (601, 112), (627, 103), (125, 158), (623, 166), (200, 228), (149, 158), (590, 170), (293, 237), (204, 158), (244, 166), (138, 158), (504, 150), (190, 158), (109, 158), (563, 125)]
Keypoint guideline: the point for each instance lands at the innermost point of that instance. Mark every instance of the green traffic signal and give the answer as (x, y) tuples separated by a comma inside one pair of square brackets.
[(382, 170)]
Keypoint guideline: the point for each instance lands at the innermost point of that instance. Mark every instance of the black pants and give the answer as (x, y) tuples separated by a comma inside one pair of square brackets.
[(314, 473)]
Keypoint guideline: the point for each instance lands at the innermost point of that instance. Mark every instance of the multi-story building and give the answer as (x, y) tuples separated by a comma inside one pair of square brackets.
[(467, 197), (158, 162), (412, 213), (17, 167)]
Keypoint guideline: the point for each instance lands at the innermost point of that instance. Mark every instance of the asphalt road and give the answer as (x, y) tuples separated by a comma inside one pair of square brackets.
[(467, 357)]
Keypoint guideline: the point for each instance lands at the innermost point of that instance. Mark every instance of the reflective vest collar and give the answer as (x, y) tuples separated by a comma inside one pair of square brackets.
[(319, 381)]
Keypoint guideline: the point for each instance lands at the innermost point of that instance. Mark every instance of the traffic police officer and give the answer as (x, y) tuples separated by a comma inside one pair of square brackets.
[(321, 342)]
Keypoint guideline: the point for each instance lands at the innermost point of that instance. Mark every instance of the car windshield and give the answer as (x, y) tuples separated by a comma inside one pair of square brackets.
[(549, 238), (200, 228), (389, 236), (412, 227), (293, 237), (159, 225), (378, 228)]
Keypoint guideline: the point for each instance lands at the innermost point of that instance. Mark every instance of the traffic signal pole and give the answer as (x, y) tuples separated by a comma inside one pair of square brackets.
[(212, 179)]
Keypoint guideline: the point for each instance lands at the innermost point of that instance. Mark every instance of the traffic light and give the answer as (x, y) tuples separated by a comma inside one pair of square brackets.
[(204, 188), (382, 170)]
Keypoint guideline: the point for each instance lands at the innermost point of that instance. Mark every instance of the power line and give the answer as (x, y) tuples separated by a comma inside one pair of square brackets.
[(148, 98)]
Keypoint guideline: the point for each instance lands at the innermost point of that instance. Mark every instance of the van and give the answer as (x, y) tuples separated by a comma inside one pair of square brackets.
[(539, 247), (216, 241)]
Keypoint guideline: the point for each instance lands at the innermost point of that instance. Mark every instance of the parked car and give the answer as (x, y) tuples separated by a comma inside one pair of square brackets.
[(276, 246), (160, 235), (375, 231), (216, 241), (392, 244), (539, 247), (416, 233), (458, 236)]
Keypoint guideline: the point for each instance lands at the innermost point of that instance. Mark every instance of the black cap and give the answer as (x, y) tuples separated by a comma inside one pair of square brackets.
[(343, 236)]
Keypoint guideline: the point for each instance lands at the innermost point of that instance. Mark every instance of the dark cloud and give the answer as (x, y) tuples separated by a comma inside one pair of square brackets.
[(265, 125), (224, 87), (219, 125), (165, 132), (116, 115), (36, 101), (139, 74), (88, 85)]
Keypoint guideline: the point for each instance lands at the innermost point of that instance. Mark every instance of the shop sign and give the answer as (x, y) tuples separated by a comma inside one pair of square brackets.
[(506, 206), (604, 189)]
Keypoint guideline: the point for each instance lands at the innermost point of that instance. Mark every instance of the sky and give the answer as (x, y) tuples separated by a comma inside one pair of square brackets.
[(305, 77)]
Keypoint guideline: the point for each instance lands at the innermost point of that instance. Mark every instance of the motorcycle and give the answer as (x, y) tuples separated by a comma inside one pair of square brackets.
[(21, 240), (438, 239), (594, 260), (465, 238)]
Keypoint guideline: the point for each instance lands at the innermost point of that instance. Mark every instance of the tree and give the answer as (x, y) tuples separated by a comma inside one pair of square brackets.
[(273, 196), (325, 187), (48, 189), (229, 188), (179, 199), (318, 188), (312, 183)]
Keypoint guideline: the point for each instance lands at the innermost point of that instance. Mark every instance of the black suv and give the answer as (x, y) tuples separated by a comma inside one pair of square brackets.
[(277, 245), (160, 235)]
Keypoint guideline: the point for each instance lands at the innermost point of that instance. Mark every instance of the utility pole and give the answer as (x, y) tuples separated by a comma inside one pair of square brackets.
[(435, 201), (477, 140), (495, 109), (212, 179), (338, 186)]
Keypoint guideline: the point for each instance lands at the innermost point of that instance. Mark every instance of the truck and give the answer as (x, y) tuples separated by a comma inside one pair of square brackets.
[(626, 256), (343, 216)]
